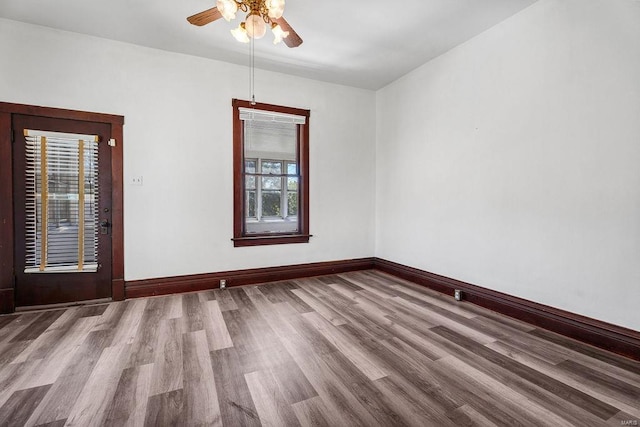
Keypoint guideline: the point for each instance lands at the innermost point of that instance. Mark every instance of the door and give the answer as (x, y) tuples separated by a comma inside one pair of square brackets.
[(62, 210)]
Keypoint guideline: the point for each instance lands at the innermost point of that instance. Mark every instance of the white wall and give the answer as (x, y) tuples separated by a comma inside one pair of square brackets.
[(513, 161), (178, 136)]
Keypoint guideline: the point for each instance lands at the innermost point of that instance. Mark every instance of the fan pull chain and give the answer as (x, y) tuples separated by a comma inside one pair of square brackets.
[(252, 74)]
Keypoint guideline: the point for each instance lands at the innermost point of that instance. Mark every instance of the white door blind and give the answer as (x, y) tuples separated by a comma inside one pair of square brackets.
[(61, 202)]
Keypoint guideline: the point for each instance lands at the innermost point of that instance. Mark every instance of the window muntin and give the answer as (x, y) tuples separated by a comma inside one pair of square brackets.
[(270, 174)]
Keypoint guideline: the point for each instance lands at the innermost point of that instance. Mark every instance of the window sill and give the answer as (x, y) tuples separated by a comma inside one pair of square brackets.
[(278, 239)]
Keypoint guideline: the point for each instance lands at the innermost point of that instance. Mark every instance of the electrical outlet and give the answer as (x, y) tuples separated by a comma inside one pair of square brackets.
[(136, 180), (457, 294), (223, 284)]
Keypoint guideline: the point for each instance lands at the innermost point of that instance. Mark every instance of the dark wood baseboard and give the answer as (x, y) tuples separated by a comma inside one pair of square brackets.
[(117, 289), (7, 301), (199, 282), (600, 334)]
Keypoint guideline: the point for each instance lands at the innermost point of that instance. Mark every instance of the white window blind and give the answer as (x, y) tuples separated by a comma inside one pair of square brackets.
[(61, 202), (270, 116), (270, 135)]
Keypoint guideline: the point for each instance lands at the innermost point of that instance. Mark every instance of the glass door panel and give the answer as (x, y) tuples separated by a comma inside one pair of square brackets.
[(61, 202)]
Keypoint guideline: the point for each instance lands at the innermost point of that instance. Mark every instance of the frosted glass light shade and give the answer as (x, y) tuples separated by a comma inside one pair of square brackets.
[(227, 8), (275, 8), (255, 26), (278, 34), (240, 33)]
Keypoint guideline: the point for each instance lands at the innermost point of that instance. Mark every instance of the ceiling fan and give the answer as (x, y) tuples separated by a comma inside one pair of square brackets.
[(261, 13)]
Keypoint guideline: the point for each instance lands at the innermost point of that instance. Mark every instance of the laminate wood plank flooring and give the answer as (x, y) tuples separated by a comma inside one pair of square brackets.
[(354, 349)]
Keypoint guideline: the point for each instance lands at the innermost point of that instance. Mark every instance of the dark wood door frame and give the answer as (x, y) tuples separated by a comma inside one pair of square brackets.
[(7, 282)]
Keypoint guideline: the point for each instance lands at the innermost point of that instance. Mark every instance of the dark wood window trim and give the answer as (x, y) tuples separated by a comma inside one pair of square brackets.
[(240, 237), (6, 194)]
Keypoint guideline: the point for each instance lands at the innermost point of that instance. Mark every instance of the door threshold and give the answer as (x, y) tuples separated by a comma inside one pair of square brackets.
[(63, 305)]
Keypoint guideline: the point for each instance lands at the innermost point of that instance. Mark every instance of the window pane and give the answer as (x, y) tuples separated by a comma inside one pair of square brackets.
[(251, 204), (250, 182), (292, 169), (271, 183), (250, 166), (292, 201), (272, 167), (292, 184), (271, 203)]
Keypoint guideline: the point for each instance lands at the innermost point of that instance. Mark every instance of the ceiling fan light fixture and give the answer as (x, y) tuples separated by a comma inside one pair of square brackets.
[(278, 33), (275, 8), (240, 33), (255, 25), (227, 8), (262, 14)]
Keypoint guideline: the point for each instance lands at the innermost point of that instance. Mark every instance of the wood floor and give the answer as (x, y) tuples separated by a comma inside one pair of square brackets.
[(360, 348)]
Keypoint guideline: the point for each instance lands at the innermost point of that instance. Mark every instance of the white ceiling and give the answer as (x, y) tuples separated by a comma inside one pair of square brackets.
[(362, 45)]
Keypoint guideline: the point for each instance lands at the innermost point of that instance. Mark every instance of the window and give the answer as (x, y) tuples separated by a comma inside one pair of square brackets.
[(61, 230), (271, 174)]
